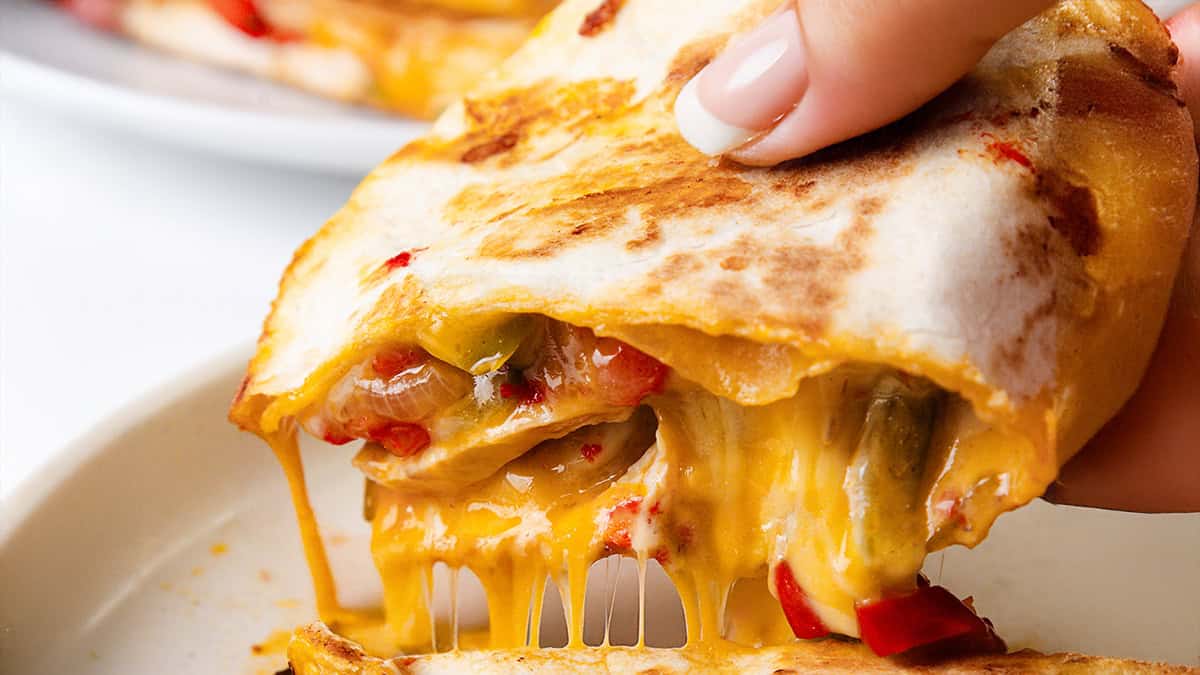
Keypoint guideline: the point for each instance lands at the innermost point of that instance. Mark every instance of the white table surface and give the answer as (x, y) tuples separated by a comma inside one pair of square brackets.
[(123, 263)]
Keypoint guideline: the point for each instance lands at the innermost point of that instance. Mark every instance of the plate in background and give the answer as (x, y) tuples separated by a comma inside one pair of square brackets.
[(49, 58), (165, 536)]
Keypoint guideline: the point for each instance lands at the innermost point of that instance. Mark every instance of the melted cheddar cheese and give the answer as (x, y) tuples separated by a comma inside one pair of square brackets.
[(719, 492)]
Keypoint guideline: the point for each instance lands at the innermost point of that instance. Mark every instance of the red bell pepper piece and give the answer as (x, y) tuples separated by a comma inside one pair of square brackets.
[(526, 392), (390, 362), (928, 615), (590, 451), (401, 438), (804, 621), (627, 375), (335, 438), (242, 15), (618, 534)]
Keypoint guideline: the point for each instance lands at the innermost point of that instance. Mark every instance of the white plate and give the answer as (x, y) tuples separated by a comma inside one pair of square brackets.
[(49, 58), (165, 538)]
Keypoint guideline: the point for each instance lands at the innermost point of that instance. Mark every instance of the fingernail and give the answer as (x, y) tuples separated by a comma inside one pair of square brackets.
[(744, 91)]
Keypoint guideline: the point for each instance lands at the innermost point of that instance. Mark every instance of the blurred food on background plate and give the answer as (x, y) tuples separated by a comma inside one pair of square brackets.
[(408, 56)]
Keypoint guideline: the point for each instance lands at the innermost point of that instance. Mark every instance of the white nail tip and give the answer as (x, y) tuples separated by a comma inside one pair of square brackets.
[(701, 129)]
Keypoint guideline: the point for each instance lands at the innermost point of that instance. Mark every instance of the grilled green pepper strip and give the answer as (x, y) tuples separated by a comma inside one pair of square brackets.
[(884, 478), (477, 345)]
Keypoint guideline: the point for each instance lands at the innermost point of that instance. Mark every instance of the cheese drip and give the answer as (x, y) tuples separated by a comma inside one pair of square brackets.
[(718, 495), (287, 452), (363, 626), (724, 493)]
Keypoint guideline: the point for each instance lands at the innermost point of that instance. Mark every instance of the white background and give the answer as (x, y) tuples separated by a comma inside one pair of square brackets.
[(124, 263)]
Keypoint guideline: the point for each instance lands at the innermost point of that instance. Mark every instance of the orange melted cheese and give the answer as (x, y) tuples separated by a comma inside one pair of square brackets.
[(721, 494)]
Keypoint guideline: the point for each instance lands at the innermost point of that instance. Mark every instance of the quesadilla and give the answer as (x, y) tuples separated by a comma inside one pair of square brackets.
[(563, 334), (406, 56)]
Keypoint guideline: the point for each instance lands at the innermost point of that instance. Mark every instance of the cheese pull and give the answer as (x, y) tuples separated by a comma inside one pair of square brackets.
[(581, 446)]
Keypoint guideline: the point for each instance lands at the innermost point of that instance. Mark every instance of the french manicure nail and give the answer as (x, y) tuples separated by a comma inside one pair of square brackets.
[(755, 81)]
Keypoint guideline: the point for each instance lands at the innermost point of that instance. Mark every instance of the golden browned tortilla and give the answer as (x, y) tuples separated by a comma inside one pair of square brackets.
[(838, 364)]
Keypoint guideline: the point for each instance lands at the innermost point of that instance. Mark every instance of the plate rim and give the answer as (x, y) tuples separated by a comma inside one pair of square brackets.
[(122, 107)]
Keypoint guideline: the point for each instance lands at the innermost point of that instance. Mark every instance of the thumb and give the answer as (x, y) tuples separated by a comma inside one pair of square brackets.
[(821, 71)]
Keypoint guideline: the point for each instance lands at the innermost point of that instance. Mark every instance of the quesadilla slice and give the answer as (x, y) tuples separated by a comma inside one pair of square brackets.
[(404, 56), (560, 333)]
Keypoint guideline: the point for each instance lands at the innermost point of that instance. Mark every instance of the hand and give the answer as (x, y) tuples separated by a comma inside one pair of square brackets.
[(818, 72)]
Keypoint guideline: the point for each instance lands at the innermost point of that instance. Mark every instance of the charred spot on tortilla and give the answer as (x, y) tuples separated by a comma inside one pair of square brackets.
[(1074, 214), (498, 122), (598, 19), (692, 58), (816, 277), (676, 266), (1158, 76), (800, 188), (1012, 356), (812, 276), (1029, 247), (337, 648), (487, 149), (1088, 86), (854, 165), (651, 235), (735, 263), (559, 213)]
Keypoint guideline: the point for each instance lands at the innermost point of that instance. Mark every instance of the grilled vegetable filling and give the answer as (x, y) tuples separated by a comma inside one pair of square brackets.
[(524, 449)]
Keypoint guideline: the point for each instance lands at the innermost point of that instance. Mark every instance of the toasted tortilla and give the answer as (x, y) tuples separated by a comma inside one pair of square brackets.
[(402, 56), (1007, 241), (315, 650)]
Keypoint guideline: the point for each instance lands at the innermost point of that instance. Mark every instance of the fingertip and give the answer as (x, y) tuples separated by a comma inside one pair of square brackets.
[(702, 129), (756, 80), (869, 63)]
